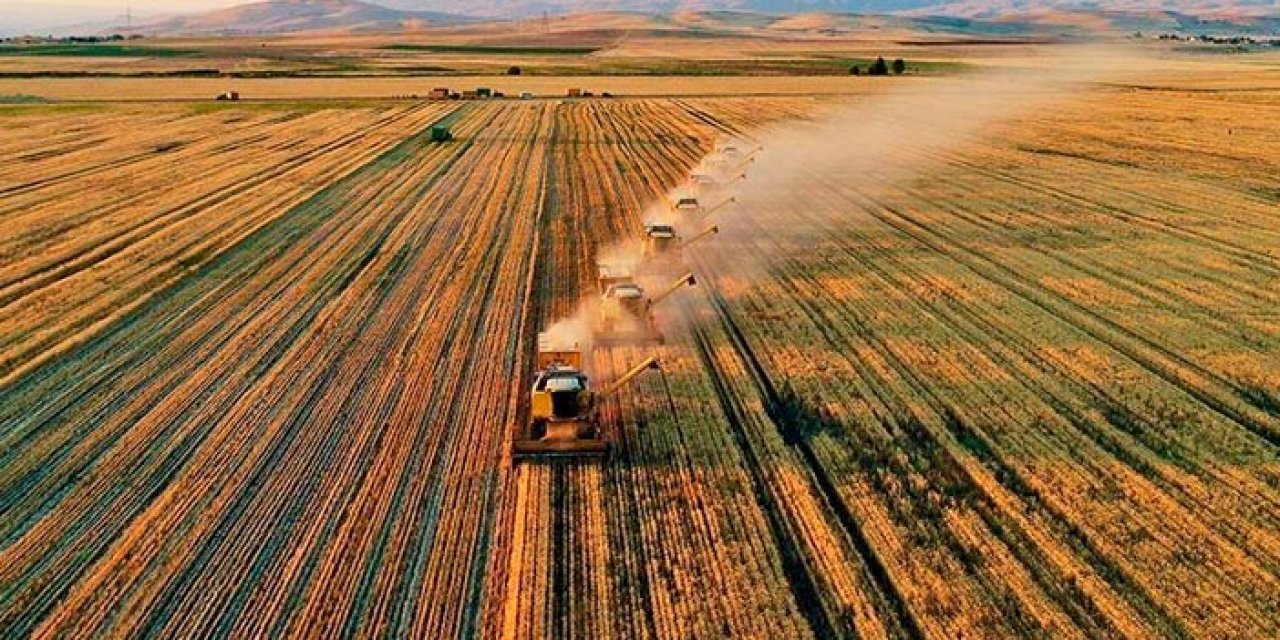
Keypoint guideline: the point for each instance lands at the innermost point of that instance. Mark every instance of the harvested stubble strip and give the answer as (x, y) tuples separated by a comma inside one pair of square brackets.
[(404, 287), (93, 145), (483, 448), (280, 302), (32, 422), (183, 241), (210, 149)]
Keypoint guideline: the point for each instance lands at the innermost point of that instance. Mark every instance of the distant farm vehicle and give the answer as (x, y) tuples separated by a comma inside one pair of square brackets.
[(228, 96), (441, 133)]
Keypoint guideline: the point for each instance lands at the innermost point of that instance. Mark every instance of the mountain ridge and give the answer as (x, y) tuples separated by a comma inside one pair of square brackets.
[(292, 16), (981, 16)]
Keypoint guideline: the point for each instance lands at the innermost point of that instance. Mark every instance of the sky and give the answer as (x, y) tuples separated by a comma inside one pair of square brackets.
[(27, 16)]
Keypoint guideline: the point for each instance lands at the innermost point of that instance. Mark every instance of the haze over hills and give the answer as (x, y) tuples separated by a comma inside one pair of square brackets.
[(979, 17), (968, 8), (290, 16)]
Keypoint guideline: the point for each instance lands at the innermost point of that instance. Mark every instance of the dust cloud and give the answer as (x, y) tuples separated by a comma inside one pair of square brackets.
[(877, 141), (791, 181), (573, 331)]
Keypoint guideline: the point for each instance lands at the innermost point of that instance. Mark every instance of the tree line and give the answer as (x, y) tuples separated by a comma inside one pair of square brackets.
[(881, 68)]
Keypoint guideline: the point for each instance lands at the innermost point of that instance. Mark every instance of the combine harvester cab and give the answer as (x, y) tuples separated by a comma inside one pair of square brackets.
[(708, 187), (563, 420), (687, 206)]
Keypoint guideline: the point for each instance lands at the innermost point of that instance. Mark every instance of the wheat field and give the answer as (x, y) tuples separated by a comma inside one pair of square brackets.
[(261, 365)]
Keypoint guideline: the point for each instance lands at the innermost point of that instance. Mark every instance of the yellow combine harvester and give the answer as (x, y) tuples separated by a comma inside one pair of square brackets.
[(626, 314), (563, 409), (718, 182), (662, 242), (731, 153), (690, 207)]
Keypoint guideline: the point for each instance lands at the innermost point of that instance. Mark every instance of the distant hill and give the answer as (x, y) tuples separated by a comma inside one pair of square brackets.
[(292, 16), (963, 17), (956, 8)]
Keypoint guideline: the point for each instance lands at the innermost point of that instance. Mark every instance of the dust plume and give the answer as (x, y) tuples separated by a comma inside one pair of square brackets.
[(624, 257), (571, 332), (809, 169)]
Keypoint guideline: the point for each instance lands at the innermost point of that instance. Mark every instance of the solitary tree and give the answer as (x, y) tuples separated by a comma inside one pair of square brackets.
[(899, 65), (878, 68), (513, 71), (855, 70)]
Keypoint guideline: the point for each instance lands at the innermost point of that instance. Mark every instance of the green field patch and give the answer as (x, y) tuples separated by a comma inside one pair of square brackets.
[(94, 51), (22, 99), (46, 108)]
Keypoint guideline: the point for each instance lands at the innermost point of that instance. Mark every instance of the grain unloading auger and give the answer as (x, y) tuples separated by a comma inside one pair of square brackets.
[(563, 409), (626, 314)]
